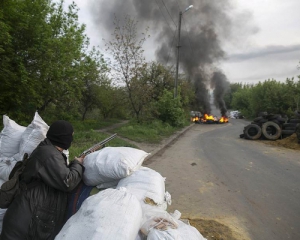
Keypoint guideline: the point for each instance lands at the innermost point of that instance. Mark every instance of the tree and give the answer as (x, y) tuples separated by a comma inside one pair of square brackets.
[(169, 109), (41, 48), (94, 75), (129, 62)]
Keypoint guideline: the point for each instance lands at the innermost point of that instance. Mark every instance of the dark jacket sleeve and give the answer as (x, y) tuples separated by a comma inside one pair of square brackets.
[(55, 173)]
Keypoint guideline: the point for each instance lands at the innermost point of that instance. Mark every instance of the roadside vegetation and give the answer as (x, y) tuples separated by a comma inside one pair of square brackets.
[(270, 96)]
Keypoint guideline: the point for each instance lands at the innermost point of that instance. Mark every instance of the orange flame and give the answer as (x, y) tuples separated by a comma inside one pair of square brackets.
[(223, 119), (207, 117), (195, 119)]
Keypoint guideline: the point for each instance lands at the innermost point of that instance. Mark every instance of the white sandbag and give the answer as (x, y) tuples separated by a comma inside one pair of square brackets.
[(111, 163), (105, 185), (6, 165), (10, 137), (154, 217), (2, 212), (108, 215), (141, 236), (32, 136), (145, 183), (182, 232)]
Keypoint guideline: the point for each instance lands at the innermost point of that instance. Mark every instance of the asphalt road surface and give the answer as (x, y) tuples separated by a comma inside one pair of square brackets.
[(249, 186)]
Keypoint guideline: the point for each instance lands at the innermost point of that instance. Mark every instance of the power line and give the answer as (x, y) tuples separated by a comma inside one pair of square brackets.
[(168, 12), (163, 15), (171, 46)]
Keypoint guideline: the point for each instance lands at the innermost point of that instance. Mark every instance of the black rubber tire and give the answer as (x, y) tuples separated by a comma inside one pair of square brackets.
[(276, 121), (263, 121), (275, 116), (271, 130), (257, 119), (294, 120), (285, 125), (289, 128), (252, 132), (287, 132), (242, 135), (257, 123), (281, 120)]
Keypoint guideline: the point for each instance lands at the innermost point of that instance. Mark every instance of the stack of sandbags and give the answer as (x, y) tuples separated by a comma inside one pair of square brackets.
[(104, 168), (10, 138), (34, 133), (148, 186), (159, 224), (16, 140), (109, 215), (120, 168)]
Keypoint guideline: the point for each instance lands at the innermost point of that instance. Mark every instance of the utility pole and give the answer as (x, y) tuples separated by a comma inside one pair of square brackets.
[(177, 60), (178, 46)]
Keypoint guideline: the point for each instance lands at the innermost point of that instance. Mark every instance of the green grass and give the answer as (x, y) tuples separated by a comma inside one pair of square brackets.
[(93, 124), (83, 140), (152, 132)]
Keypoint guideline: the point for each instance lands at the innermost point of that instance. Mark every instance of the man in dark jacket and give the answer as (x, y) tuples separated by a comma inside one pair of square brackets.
[(38, 212)]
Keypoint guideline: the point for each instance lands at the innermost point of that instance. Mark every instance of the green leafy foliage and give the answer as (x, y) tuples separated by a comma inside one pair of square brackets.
[(269, 96), (169, 109)]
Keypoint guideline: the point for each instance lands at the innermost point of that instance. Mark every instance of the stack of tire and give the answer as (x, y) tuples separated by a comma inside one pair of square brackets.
[(296, 123), (272, 127), (265, 126)]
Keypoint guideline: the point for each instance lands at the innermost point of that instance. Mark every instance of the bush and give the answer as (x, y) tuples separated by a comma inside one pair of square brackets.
[(170, 110)]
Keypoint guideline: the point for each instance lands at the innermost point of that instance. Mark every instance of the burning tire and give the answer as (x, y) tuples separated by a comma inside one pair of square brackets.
[(252, 132), (271, 130)]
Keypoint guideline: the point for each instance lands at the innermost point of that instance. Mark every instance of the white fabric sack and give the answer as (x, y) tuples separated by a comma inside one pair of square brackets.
[(145, 183), (109, 215), (32, 136), (111, 163), (105, 185), (183, 232), (10, 137), (2, 212), (141, 236), (154, 216), (6, 165)]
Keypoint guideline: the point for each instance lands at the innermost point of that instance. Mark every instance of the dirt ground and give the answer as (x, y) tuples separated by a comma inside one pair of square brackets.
[(290, 142), (213, 230)]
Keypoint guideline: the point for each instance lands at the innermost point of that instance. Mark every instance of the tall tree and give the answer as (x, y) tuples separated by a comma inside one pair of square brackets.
[(40, 63), (129, 62)]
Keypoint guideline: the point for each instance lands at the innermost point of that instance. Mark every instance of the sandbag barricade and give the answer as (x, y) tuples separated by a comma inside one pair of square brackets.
[(182, 232), (111, 163), (109, 215), (147, 185), (34, 134), (10, 137)]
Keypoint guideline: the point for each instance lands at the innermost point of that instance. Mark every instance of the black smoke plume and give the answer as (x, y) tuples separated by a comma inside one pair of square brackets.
[(220, 85), (203, 29)]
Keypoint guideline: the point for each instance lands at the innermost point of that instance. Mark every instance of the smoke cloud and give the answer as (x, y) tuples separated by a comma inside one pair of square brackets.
[(203, 30)]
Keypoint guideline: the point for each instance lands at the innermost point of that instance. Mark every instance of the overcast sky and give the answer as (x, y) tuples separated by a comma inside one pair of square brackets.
[(271, 50)]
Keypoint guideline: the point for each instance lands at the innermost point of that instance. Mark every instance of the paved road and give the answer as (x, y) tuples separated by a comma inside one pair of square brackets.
[(250, 186)]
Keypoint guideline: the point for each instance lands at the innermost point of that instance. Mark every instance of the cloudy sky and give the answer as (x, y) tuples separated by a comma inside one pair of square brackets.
[(264, 39)]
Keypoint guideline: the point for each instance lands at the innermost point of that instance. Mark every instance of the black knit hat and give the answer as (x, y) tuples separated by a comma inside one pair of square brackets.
[(60, 134)]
